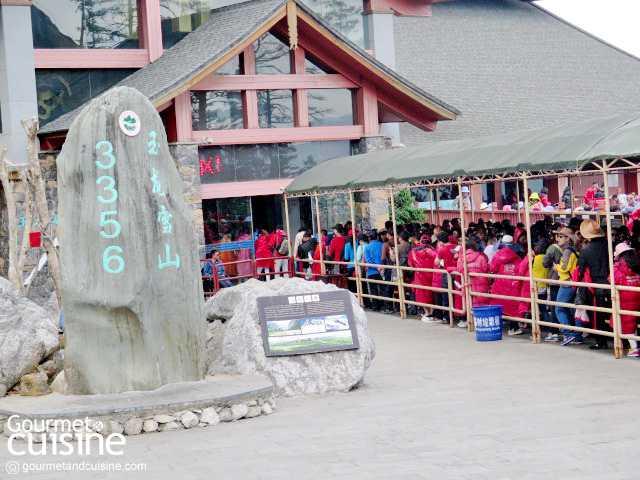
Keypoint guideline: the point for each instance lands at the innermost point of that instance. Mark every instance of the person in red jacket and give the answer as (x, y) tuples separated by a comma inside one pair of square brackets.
[(446, 258), (423, 256), (477, 262), (316, 267), (544, 197), (263, 254), (626, 272), (506, 262), (336, 248), (590, 193)]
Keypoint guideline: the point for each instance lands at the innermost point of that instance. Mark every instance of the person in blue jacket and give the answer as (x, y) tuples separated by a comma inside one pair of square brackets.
[(373, 256)]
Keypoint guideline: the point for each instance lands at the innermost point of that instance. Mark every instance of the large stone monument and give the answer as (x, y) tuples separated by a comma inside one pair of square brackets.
[(131, 288)]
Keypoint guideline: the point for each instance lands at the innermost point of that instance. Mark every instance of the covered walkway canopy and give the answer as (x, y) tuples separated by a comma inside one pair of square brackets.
[(567, 149)]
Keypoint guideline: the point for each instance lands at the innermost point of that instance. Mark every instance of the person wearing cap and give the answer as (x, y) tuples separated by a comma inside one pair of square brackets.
[(566, 240), (467, 201), (626, 272), (633, 204), (595, 257), (553, 256), (506, 262)]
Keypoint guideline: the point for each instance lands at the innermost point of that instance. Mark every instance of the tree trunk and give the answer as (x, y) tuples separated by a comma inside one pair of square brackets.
[(42, 209)]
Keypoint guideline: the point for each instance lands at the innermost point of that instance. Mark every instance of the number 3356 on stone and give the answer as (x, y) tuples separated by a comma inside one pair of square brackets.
[(112, 262)]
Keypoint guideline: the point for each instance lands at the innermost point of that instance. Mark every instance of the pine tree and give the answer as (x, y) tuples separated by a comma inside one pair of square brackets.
[(406, 210)]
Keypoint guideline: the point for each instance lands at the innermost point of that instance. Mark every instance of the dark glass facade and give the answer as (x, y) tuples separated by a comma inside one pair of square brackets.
[(85, 24), (62, 90), (343, 15), (241, 163), (181, 17), (216, 110)]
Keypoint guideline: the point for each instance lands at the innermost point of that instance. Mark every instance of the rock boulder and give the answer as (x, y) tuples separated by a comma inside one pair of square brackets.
[(235, 347), (27, 335)]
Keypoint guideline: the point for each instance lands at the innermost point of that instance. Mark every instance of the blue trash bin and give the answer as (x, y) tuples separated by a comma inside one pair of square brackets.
[(488, 322)]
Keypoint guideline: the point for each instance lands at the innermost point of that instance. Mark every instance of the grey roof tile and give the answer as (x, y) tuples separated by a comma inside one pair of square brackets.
[(509, 65)]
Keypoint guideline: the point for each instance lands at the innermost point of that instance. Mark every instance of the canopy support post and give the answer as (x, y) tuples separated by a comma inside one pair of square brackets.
[(320, 246), (571, 199), (355, 250), (518, 200), (437, 220), (292, 263), (431, 201), (465, 280), (535, 326), (403, 308), (617, 341)]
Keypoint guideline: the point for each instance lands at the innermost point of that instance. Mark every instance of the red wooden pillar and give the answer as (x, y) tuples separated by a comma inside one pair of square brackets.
[(184, 127), (631, 182), (367, 102), (151, 37), (300, 95), (554, 187)]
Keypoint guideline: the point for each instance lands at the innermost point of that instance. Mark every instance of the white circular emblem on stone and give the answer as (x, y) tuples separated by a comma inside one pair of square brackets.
[(129, 123)]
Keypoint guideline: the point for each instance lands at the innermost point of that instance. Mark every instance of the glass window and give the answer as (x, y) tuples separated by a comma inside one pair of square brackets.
[(330, 107), (275, 108), (216, 110), (232, 67), (181, 17), (227, 224), (62, 90), (85, 24), (217, 164), (343, 15), (272, 56)]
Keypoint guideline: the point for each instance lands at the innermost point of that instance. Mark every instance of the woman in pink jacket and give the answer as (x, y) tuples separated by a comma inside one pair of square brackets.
[(263, 254), (506, 262), (477, 262), (423, 256)]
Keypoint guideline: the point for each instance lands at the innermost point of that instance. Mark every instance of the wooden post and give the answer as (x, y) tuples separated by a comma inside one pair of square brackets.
[(617, 341), (535, 326), (403, 308), (355, 250), (292, 265), (518, 200), (571, 199), (436, 222), (465, 279), (322, 269), (431, 202)]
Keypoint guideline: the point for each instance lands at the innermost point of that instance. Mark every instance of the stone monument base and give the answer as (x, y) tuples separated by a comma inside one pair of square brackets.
[(177, 406)]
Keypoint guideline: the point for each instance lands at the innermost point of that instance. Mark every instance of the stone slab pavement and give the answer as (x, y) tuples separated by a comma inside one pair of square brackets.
[(436, 405)]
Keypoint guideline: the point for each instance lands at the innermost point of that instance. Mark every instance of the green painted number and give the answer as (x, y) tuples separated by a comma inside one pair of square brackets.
[(109, 188), (106, 259), (108, 153), (104, 222)]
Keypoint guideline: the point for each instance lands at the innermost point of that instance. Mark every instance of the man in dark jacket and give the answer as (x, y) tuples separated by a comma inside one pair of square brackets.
[(595, 257), (307, 246)]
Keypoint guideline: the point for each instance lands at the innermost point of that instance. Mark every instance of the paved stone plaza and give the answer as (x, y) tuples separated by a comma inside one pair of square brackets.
[(437, 405)]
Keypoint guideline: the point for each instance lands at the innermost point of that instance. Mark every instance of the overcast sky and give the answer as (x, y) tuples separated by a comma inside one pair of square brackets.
[(615, 21)]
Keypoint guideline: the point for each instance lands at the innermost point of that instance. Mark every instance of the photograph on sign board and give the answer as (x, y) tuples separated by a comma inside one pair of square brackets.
[(337, 322), (312, 325), (287, 344), (284, 327)]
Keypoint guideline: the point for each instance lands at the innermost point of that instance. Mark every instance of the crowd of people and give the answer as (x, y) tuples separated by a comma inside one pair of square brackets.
[(575, 252)]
